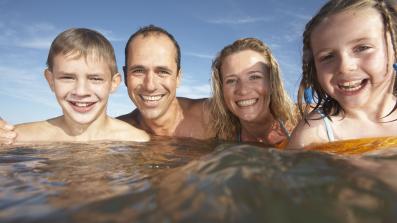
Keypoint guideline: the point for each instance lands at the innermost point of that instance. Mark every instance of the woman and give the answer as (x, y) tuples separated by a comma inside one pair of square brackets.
[(249, 101)]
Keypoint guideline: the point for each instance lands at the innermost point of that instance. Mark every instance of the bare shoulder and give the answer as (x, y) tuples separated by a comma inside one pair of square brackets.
[(130, 118), (197, 108), (35, 131), (307, 133), (123, 131)]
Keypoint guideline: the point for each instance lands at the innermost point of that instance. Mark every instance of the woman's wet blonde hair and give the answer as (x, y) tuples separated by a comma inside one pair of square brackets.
[(328, 105), (225, 124)]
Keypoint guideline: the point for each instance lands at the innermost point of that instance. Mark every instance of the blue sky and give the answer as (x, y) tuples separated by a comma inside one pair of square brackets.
[(202, 28)]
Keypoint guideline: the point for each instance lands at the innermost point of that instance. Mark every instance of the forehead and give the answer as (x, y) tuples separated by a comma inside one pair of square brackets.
[(243, 61), (347, 25), (151, 48), (74, 61)]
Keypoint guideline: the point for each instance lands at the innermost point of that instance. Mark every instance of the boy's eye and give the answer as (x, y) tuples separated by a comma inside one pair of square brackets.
[(96, 79), (66, 78)]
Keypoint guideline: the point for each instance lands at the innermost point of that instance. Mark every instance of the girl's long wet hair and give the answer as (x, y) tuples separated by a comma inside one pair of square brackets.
[(328, 105)]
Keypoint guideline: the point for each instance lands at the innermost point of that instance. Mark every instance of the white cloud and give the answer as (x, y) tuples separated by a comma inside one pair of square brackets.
[(199, 55), (239, 21), (26, 85)]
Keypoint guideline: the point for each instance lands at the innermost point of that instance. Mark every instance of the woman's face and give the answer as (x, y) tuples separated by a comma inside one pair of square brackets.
[(246, 87)]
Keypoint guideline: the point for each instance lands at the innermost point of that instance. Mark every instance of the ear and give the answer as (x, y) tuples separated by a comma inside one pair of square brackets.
[(179, 78), (125, 75), (116, 79), (49, 76)]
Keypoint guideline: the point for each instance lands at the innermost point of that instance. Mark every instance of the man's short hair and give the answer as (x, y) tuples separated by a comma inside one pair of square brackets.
[(150, 30)]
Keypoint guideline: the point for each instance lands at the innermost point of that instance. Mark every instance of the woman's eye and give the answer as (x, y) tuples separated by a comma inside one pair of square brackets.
[(230, 81), (255, 77)]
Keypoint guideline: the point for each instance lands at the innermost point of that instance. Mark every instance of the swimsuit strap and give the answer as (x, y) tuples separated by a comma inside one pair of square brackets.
[(328, 128), (285, 130)]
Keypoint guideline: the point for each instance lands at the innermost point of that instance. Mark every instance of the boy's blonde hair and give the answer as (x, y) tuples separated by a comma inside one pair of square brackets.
[(322, 100), (225, 124), (83, 42)]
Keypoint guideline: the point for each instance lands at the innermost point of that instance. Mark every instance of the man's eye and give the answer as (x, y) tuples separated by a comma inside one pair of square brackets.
[(138, 71), (164, 72)]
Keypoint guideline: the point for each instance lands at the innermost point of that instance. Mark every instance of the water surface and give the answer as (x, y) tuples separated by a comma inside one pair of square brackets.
[(186, 180)]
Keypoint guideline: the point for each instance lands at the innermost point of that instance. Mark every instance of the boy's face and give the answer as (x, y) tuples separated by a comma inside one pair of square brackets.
[(82, 86)]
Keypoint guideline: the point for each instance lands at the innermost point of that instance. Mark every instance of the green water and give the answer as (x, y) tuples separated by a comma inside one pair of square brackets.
[(185, 180)]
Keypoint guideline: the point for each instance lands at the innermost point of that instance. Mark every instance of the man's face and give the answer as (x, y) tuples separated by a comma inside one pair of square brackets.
[(151, 74)]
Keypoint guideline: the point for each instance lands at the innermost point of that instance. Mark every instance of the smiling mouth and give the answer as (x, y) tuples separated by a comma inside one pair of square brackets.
[(245, 103), (152, 98), (352, 86), (82, 107)]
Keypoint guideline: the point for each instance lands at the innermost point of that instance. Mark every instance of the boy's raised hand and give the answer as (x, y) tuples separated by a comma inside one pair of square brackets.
[(7, 134)]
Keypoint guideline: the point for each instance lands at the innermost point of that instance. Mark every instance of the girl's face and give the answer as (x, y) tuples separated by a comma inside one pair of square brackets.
[(351, 57), (245, 77)]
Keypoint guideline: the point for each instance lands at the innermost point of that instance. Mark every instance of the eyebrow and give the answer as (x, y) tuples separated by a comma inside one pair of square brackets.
[(133, 67)]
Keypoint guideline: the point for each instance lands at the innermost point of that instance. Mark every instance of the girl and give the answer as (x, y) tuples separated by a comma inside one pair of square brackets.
[(349, 49), (249, 102)]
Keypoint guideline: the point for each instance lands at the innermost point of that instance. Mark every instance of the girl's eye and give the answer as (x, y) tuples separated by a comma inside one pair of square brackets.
[(326, 57), (361, 48)]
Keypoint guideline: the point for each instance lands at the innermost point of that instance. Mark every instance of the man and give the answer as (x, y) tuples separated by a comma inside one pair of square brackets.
[(152, 73)]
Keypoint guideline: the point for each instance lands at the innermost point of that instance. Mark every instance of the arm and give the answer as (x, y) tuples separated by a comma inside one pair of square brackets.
[(7, 133)]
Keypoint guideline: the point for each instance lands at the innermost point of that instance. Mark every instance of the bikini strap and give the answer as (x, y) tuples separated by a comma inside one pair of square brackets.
[(328, 128), (285, 130)]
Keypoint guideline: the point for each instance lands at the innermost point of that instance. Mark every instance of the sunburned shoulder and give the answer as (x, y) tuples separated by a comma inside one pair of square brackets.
[(36, 131), (307, 133), (122, 131)]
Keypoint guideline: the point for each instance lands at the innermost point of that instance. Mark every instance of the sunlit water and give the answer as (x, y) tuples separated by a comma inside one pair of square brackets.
[(186, 180)]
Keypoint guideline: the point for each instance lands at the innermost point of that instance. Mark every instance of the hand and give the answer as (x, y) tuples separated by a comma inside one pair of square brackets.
[(7, 134)]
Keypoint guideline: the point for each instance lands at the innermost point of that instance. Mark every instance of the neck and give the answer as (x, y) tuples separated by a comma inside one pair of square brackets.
[(84, 132), (166, 124), (257, 131)]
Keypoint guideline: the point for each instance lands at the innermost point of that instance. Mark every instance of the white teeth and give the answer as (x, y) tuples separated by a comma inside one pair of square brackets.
[(82, 104), (351, 85), (248, 102), (152, 98)]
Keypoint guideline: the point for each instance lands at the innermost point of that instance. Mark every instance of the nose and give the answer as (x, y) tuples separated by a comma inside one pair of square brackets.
[(242, 87), (149, 82), (81, 88), (347, 64)]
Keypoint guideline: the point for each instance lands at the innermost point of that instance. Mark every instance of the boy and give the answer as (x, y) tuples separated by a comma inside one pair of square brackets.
[(82, 72)]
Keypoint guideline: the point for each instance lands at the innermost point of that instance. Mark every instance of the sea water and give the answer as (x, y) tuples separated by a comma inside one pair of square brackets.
[(187, 180)]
